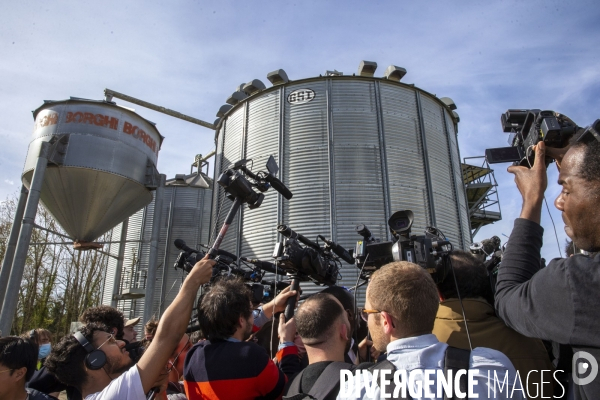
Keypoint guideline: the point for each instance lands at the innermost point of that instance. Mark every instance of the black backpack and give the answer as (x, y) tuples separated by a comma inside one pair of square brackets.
[(323, 386), (35, 395), (329, 380)]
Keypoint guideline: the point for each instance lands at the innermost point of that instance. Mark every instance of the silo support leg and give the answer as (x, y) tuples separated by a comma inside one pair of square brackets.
[(153, 256), (18, 265), (9, 254)]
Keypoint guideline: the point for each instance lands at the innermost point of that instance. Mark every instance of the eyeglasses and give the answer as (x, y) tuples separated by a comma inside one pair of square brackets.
[(4, 370), (111, 338), (364, 313)]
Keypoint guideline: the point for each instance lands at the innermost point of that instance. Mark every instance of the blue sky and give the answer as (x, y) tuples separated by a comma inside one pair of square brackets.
[(190, 56)]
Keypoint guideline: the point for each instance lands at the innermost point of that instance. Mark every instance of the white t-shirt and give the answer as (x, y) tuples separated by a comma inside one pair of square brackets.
[(126, 387)]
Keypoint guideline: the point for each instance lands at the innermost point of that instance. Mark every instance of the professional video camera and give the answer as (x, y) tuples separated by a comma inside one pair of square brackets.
[(428, 251), (308, 263), (527, 128), (240, 190), (489, 248), (262, 289)]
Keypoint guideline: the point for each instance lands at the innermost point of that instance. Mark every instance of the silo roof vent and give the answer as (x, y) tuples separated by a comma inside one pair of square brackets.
[(235, 98), (367, 68), (223, 110), (449, 102), (278, 77), (333, 73), (456, 117), (394, 73), (254, 86)]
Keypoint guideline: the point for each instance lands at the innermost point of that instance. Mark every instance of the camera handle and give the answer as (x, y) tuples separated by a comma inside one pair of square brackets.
[(237, 203), (291, 302)]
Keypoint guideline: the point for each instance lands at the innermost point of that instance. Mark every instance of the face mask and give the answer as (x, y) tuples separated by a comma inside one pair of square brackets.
[(44, 351)]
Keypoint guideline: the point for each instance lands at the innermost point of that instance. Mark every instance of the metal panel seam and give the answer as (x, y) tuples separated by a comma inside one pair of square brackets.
[(425, 158), (332, 219), (240, 230), (280, 154), (453, 177), (383, 155)]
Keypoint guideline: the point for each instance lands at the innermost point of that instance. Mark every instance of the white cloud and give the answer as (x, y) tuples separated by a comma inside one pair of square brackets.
[(9, 182)]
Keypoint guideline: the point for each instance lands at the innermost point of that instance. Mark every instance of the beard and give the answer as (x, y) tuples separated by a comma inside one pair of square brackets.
[(116, 367), (380, 341)]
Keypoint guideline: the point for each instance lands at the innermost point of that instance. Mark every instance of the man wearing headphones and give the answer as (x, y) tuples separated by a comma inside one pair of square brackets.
[(99, 366)]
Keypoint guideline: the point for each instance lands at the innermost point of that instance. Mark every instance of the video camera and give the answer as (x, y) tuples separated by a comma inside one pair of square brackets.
[(527, 128), (429, 250), (310, 262), (236, 184), (262, 290), (489, 248)]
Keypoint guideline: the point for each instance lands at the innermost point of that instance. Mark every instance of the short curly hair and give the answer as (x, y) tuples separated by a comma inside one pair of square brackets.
[(221, 308), (67, 359), (106, 315), (590, 168)]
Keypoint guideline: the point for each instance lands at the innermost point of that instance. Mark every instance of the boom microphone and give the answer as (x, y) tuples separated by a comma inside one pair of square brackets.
[(180, 244), (264, 265), (338, 250)]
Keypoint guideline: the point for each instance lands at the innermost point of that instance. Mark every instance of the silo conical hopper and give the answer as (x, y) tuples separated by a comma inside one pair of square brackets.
[(101, 164)]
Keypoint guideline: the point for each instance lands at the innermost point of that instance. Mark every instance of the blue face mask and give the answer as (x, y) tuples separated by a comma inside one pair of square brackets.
[(44, 351)]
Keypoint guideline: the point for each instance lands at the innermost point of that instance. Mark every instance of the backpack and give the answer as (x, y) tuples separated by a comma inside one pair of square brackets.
[(35, 395), (323, 386), (454, 359)]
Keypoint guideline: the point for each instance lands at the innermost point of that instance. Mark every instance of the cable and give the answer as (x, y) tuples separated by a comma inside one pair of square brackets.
[(356, 313), (461, 303), (273, 314), (554, 226)]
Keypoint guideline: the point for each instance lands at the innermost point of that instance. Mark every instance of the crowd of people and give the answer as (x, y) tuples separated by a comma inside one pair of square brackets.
[(533, 335)]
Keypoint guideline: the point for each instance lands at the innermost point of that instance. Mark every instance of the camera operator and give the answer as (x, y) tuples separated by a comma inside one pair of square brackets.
[(110, 317), (528, 355), (323, 325), (400, 309), (560, 302), (98, 365), (226, 366)]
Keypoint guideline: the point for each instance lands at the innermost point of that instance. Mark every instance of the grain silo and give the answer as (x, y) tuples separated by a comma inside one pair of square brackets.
[(352, 148), (186, 206), (91, 164)]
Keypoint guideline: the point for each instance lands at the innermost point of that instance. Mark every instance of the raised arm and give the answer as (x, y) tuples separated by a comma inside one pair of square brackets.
[(172, 325)]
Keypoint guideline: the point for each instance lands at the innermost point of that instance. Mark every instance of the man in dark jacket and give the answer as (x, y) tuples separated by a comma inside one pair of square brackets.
[(560, 302), (323, 324)]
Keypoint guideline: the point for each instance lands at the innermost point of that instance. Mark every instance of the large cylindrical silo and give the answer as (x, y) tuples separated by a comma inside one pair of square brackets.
[(353, 150)]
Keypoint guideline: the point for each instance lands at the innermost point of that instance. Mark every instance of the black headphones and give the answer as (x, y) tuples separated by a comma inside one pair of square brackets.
[(95, 358)]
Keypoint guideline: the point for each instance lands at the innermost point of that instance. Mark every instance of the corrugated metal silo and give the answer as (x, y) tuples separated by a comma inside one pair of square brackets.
[(352, 150), (185, 215)]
